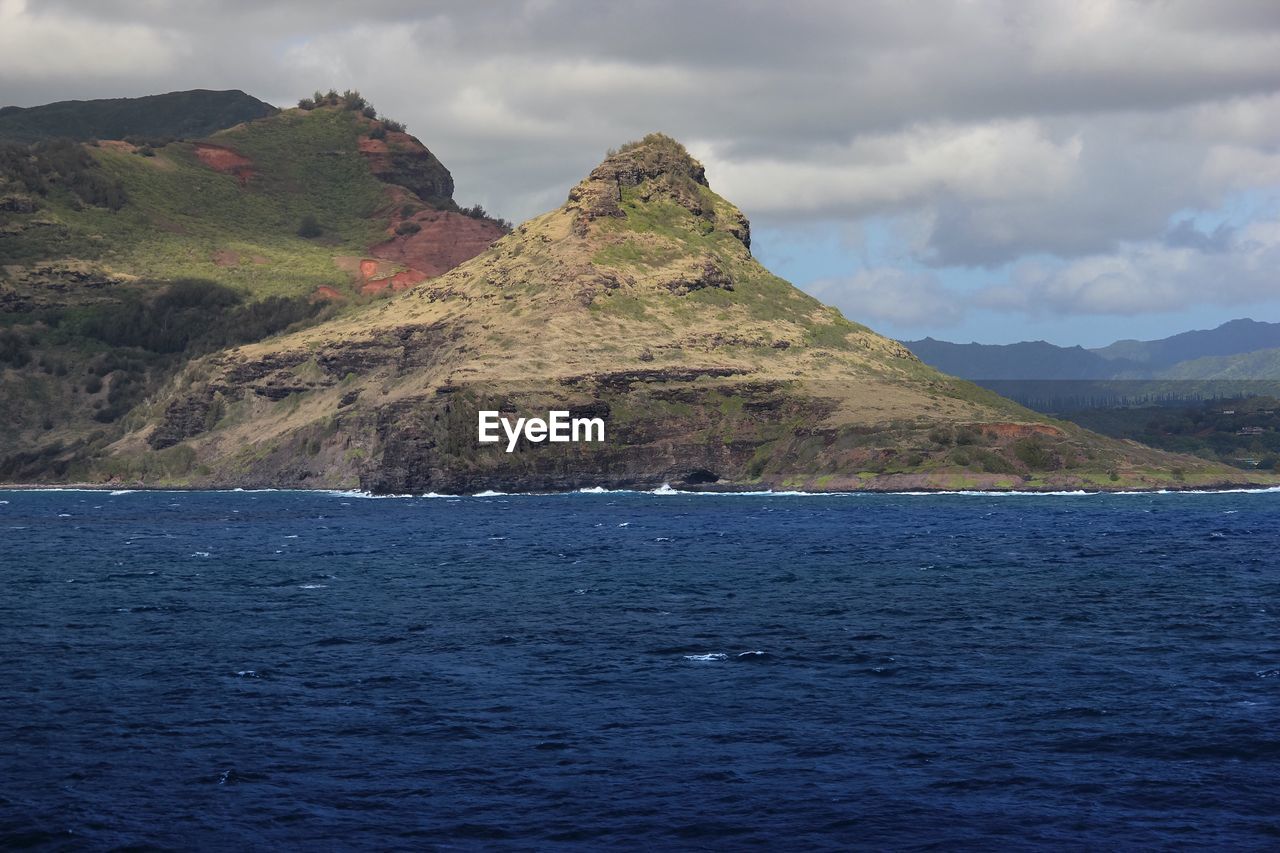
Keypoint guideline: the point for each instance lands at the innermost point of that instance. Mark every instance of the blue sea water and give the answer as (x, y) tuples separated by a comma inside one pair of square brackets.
[(319, 671)]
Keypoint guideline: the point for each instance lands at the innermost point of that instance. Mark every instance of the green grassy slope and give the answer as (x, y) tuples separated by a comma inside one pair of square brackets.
[(185, 219)]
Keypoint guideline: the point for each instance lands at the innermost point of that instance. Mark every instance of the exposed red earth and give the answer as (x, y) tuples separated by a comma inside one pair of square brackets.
[(223, 159), (444, 240)]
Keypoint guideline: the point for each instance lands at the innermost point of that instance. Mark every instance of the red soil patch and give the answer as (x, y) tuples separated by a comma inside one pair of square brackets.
[(407, 279), (402, 280), (1009, 430), (223, 159), (226, 258), (443, 241), (327, 294), (368, 269)]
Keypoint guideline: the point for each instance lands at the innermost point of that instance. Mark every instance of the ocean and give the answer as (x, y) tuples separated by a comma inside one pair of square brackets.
[(317, 671)]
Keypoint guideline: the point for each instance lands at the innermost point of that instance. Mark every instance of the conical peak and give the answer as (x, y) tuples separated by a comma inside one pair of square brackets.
[(655, 156), (653, 169)]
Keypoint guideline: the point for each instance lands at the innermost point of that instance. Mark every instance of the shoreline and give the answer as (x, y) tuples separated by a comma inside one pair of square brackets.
[(661, 491)]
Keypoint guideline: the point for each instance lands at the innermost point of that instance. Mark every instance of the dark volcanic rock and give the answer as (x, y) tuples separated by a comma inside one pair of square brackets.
[(401, 159)]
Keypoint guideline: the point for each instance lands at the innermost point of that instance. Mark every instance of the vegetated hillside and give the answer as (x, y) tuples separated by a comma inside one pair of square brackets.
[(637, 301), (1244, 432), (1261, 365), (121, 260), (192, 114)]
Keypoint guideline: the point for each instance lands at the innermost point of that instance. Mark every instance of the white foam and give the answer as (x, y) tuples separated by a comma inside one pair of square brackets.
[(314, 586), (709, 656), (489, 494)]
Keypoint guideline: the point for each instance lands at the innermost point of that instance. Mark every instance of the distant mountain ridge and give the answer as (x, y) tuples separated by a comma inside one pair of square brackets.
[(180, 115), (1026, 360), (1229, 351), (1235, 337)]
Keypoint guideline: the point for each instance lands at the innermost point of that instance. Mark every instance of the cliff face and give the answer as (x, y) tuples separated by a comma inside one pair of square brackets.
[(398, 158), (637, 302)]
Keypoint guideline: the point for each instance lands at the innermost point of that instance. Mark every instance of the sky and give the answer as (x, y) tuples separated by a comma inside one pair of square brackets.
[(992, 170)]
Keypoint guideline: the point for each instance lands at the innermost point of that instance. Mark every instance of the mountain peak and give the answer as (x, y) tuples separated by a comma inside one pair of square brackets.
[(655, 156), (654, 169)]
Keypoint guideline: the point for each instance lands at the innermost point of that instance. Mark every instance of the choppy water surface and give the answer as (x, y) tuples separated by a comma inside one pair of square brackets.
[(318, 671)]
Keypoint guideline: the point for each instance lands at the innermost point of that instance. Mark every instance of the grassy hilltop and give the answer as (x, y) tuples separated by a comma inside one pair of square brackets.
[(121, 259)]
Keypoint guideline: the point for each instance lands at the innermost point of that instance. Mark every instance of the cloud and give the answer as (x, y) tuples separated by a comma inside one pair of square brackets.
[(39, 47), (893, 296), (999, 129), (1236, 267), (1184, 235)]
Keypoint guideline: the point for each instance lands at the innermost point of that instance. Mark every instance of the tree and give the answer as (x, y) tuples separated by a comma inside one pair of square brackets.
[(309, 227)]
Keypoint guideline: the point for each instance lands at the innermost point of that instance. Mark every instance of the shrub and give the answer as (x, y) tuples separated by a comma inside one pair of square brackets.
[(369, 111), (393, 125), (309, 227), (306, 104), (378, 132), (1034, 454), (14, 348), (408, 227)]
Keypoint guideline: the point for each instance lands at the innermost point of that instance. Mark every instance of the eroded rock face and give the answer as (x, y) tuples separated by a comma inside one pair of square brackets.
[(702, 275), (428, 444), (184, 418), (660, 169), (401, 159), (278, 376), (659, 163)]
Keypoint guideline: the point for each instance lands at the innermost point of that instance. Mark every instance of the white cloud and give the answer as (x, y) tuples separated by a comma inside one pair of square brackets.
[(891, 295), (38, 45), (1148, 277)]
